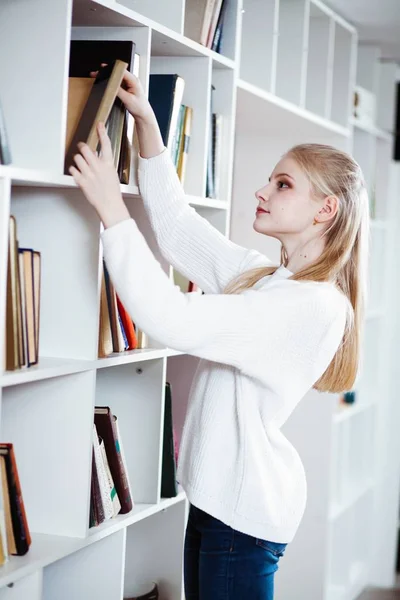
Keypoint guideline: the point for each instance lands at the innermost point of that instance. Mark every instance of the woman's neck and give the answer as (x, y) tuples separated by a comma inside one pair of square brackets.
[(302, 254)]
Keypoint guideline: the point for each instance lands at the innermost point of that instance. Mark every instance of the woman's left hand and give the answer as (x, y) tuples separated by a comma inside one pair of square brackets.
[(98, 180)]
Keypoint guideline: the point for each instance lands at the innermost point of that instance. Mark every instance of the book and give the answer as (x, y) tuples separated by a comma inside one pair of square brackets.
[(107, 430), (105, 497), (12, 333), (169, 488), (217, 41), (165, 97), (116, 505), (186, 131), (10, 539), (128, 325), (18, 514), (210, 188), (105, 346), (30, 312), (214, 22), (5, 152), (199, 15), (97, 108), (86, 57)]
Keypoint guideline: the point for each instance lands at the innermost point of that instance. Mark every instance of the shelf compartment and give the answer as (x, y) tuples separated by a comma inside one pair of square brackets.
[(140, 392), (79, 575), (319, 62), (154, 553), (36, 123), (60, 225), (196, 73), (292, 51), (343, 74), (259, 43), (27, 587), (37, 418)]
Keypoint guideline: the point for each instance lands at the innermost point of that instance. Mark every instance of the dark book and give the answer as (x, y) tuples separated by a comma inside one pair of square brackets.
[(108, 431), (18, 514), (87, 56), (5, 153), (165, 97), (217, 41), (98, 509), (169, 487), (210, 191), (97, 108)]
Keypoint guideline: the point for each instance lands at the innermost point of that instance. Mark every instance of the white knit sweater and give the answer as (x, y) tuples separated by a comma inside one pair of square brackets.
[(262, 350)]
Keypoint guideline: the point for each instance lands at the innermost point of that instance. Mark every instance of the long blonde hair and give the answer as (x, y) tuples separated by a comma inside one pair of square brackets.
[(332, 172)]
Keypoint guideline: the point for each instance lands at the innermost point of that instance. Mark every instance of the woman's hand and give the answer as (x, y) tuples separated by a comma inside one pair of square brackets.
[(98, 180), (132, 95)]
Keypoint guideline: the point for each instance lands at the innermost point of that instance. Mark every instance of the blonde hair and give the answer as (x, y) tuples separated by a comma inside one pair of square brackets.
[(332, 172)]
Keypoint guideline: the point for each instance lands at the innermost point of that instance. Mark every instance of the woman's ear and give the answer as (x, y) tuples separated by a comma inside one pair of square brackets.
[(328, 209)]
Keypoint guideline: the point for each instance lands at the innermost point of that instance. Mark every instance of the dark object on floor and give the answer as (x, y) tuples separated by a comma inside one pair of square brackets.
[(379, 594), (152, 595)]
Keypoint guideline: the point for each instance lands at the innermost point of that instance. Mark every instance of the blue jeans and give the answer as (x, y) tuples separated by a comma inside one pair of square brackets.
[(223, 564)]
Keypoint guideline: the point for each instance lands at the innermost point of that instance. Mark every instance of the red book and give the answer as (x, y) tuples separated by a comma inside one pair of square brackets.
[(127, 325)]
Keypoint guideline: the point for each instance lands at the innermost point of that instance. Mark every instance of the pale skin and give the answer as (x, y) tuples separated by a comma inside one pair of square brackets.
[(294, 215)]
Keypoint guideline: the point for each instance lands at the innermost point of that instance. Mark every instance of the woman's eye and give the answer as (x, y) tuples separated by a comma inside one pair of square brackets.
[(282, 185)]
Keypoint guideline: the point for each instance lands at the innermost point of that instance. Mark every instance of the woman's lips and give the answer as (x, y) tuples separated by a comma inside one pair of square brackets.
[(261, 210)]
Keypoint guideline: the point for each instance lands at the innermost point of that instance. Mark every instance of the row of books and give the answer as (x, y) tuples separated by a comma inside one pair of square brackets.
[(214, 155), (23, 303), (111, 492), (117, 331), (15, 537), (96, 71), (173, 117), (205, 22)]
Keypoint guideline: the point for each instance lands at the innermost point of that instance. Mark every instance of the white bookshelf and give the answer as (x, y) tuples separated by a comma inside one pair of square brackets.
[(285, 75)]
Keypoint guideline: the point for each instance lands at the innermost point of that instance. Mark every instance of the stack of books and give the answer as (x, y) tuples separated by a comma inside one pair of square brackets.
[(23, 303), (205, 22), (95, 75), (111, 492), (15, 538), (173, 117), (117, 331)]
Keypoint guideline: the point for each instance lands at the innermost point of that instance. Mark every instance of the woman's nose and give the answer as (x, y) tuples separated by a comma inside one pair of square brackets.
[(261, 195)]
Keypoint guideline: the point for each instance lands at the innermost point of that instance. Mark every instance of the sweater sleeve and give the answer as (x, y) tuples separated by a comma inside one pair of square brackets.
[(186, 240), (259, 332)]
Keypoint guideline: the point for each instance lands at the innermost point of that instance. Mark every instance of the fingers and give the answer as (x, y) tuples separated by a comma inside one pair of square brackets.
[(82, 164), (106, 150), (79, 180), (88, 154), (129, 79), (94, 73), (124, 96)]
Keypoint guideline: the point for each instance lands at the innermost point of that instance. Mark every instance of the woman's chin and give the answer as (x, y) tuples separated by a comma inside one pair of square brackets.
[(260, 227)]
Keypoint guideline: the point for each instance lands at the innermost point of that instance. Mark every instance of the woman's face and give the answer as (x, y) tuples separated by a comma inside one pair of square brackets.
[(285, 204)]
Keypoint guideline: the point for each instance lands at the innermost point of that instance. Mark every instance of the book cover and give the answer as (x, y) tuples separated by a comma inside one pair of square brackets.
[(169, 488), (165, 97), (18, 514), (97, 108), (106, 429)]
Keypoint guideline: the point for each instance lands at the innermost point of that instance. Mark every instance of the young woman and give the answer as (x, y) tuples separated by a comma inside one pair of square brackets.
[(266, 335)]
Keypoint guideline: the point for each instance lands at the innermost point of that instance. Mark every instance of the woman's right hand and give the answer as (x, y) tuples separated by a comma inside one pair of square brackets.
[(134, 98)]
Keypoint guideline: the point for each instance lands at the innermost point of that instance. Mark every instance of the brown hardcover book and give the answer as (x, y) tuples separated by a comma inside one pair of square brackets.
[(18, 514), (12, 335), (12, 549), (184, 147), (96, 494), (79, 89), (107, 430), (37, 275), (105, 337), (97, 108), (27, 256)]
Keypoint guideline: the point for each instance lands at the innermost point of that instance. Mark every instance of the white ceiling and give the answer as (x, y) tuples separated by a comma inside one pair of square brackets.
[(375, 20)]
